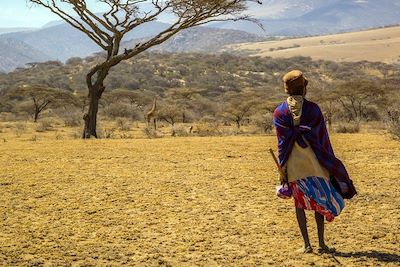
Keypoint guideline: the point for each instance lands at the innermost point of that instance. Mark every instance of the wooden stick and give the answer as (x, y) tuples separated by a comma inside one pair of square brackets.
[(281, 172)]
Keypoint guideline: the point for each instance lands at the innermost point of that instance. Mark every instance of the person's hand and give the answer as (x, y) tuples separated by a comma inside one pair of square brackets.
[(283, 175)]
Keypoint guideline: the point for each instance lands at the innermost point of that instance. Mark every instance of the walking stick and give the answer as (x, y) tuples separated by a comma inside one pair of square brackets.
[(281, 172)]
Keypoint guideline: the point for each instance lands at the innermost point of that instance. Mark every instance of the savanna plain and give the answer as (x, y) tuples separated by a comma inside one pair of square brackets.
[(186, 201)]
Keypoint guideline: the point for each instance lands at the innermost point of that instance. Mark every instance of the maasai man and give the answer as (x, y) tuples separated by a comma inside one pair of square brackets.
[(318, 180)]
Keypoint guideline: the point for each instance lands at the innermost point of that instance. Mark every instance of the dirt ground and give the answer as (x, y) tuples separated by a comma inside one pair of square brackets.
[(185, 202)]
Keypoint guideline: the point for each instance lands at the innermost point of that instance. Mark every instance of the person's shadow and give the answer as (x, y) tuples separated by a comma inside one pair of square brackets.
[(380, 256)]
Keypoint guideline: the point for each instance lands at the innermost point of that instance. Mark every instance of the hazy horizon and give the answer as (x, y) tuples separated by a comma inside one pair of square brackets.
[(20, 14)]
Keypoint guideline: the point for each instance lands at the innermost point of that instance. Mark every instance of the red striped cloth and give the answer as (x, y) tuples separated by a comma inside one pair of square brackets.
[(318, 194)]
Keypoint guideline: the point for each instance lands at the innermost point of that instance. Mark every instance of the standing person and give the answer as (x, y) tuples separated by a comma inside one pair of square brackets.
[(318, 180)]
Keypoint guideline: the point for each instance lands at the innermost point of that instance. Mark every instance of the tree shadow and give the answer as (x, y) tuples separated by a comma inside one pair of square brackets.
[(380, 256)]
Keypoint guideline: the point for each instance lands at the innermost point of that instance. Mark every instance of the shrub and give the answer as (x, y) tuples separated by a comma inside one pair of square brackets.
[(58, 136), (116, 110), (76, 135), (150, 132), (124, 124), (125, 135), (7, 116), (182, 130), (19, 128), (263, 122), (393, 121), (107, 133), (208, 129), (348, 128), (74, 120), (208, 119), (44, 125)]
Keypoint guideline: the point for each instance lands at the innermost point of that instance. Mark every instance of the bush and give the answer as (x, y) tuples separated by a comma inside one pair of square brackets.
[(393, 121), (117, 110), (208, 129), (58, 136), (107, 133), (263, 122), (124, 125), (150, 132), (74, 120), (348, 128), (44, 125), (182, 130), (76, 135), (19, 128), (7, 116)]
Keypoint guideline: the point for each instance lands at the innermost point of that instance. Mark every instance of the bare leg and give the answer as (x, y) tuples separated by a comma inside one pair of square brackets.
[(321, 228), (302, 220), (323, 248)]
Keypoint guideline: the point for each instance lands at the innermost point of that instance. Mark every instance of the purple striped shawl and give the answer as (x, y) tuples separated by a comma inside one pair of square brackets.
[(312, 128)]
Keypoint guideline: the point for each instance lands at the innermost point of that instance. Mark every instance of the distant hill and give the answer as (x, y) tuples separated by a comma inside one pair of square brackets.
[(315, 17), (61, 41), (15, 53), (372, 45), (9, 30), (202, 40)]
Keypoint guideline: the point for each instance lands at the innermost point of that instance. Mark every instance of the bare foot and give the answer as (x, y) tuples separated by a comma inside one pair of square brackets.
[(305, 250), (326, 249)]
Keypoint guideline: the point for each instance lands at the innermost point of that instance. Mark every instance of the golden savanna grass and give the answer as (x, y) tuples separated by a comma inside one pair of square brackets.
[(184, 202), (372, 45)]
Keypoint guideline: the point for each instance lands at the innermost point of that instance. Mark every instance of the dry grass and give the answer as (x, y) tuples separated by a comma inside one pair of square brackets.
[(372, 45), (184, 202)]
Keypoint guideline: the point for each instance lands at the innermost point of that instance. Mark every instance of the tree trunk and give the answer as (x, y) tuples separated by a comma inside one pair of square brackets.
[(90, 117), (36, 116), (238, 123), (96, 89)]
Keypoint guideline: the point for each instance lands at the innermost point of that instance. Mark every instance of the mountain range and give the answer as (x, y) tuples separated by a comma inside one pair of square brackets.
[(59, 41), (315, 17), (14, 52)]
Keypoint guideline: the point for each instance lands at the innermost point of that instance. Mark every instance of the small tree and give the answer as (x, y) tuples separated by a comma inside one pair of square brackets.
[(238, 107), (123, 16), (184, 99), (136, 99), (356, 96), (43, 98), (170, 112)]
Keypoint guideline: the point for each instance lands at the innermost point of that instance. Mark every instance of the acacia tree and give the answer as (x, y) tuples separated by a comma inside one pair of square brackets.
[(170, 111), (184, 99), (356, 96), (42, 98), (123, 16), (238, 107)]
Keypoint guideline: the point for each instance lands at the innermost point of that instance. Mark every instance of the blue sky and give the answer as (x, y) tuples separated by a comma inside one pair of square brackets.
[(17, 13)]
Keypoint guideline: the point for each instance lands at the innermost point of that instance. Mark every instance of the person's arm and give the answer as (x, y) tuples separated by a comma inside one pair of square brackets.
[(323, 134)]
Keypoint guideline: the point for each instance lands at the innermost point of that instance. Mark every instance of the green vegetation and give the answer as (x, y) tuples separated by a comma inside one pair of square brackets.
[(217, 89)]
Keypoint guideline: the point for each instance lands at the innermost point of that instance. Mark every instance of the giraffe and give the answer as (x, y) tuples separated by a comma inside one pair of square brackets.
[(151, 115)]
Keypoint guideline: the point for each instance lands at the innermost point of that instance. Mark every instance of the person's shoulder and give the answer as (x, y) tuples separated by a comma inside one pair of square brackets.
[(312, 105), (280, 108)]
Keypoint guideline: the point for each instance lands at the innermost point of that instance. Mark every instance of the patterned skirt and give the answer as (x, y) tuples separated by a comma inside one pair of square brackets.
[(318, 194)]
